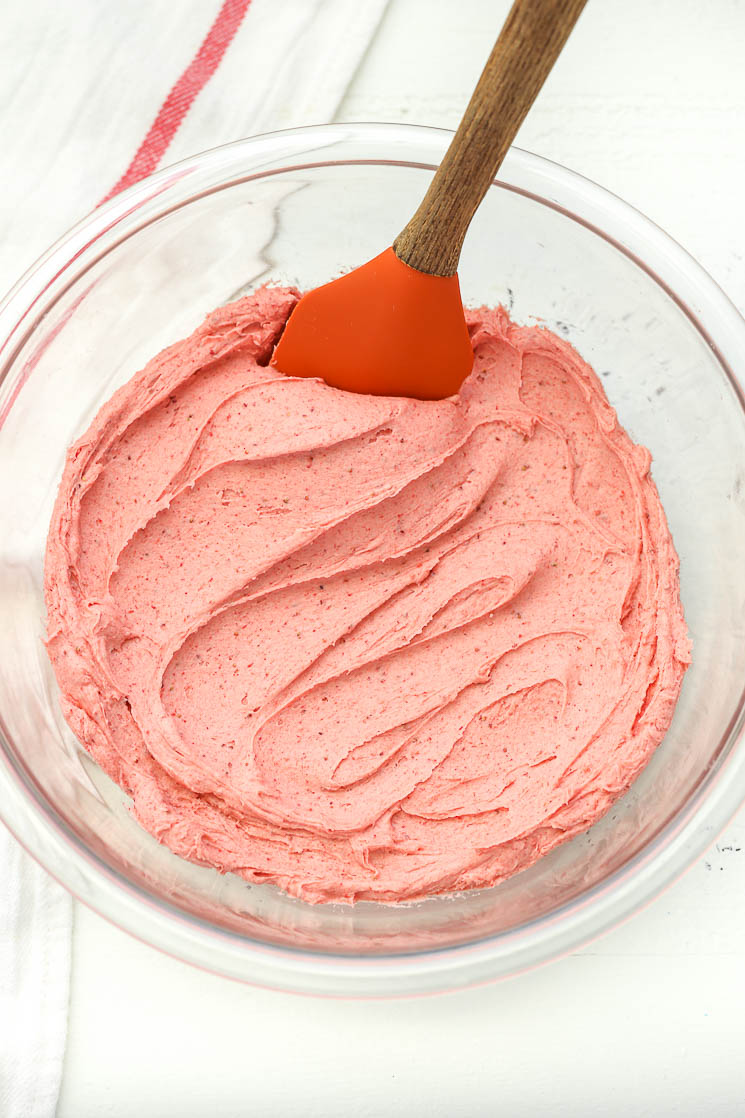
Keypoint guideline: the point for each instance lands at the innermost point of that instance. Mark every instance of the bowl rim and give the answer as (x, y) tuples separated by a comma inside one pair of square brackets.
[(666, 855)]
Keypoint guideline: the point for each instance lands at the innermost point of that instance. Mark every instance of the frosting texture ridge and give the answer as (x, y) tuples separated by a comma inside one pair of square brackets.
[(363, 647)]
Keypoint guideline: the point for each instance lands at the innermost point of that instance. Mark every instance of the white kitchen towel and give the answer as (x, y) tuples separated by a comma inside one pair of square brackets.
[(93, 94), (35, 933), (82, 83)]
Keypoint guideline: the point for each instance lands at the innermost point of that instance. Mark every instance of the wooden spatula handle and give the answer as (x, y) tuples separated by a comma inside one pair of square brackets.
[(530, 42)]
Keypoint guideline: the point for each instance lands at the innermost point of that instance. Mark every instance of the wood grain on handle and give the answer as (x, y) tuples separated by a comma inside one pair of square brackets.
[(530, 42)]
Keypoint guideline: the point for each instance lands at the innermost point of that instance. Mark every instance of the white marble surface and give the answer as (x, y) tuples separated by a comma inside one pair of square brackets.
[(649, 100)]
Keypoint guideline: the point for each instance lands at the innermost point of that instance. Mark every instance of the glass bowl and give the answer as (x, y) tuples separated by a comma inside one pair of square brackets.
[(299, 207)]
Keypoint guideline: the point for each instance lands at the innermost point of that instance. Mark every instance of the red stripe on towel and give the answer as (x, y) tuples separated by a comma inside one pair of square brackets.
[(182, 95)]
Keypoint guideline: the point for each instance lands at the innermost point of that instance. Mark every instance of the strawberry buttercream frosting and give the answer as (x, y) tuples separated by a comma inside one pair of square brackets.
[(363, 648)]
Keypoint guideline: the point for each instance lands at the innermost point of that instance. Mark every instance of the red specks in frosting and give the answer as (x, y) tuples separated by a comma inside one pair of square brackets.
[(363, 648)]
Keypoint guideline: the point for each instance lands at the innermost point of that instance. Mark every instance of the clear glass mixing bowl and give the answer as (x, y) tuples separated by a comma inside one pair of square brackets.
[(299, 207)]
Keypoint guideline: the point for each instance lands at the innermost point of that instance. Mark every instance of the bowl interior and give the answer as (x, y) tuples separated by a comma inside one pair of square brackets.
[(152, 279)]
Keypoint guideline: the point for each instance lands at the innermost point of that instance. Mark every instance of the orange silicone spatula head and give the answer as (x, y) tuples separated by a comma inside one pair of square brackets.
[(395, 326), (385, 328)]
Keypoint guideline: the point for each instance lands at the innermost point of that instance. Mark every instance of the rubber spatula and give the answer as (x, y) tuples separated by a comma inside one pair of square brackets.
[(395, 326)]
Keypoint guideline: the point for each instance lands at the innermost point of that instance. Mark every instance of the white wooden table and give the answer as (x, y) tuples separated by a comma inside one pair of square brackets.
[(649, 100)]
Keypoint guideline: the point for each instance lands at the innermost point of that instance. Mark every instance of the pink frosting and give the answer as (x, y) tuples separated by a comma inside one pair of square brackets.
[(361, 647)]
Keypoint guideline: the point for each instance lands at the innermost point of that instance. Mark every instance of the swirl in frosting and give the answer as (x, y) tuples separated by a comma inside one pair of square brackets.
[(363, 647)]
